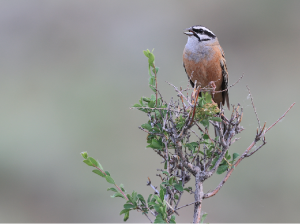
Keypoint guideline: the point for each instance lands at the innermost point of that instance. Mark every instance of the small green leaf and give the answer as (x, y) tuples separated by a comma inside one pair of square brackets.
[(122, 187), (216, 119), (153, 97), (234, 156), (155, 70), (117, 195), (188, 189), (221, 169), (87, 162), (151, 59), (159, 219), (146, 99), (162, 194), (134, 196), (126, 216), (152, 88), (207, 97), (178, 187), (129, 206), (137, 105), (141, 197), (205, 122), (176, 196), (203, 218), (99, 173), (151, 104), (149, 198), (107, 173), (157, 199), (112, 189), (172, 220), (124, 211), (146, 53), (146, 126), (93, 161), (205, 136), (109, 179), (172, 180), (156, 144), (84, 155)]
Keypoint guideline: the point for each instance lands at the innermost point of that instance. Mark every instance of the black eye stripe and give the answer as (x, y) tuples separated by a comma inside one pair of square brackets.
[(204, 31)]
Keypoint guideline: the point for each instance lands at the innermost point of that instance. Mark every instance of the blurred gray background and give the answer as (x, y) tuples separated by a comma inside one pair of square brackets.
[(70, 70)]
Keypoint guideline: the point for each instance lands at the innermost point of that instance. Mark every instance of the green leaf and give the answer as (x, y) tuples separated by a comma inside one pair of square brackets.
[(155, 70), (188, 189), (191, 146), (126, 216), (146, 53), (156, 144), (151, 59), (146, 126), (176, 196), (87, 162), (146, 99), (122, 187), (172, 180), (205, 136), (141, 198), (203, 218), (157, 208), (84, 155), (151, 104), (157, 199), (149, 198), (159, 219), (162, 194), (172, 220), (99, 173), (112, 189), (129, 206), (134, 196), (207, 97), (107, 173), (117, 195), (216, 119), (124, 211), (137, 105), (178, 187), (205, 122), (153, 97), (93, 161), (109, 179), (99, 165), (234, 156), (152, 88), (221, 169)]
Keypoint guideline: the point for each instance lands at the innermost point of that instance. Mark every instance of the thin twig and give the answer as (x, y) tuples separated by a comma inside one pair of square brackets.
[(148, 217), (254, 107), (185, 205), (280, 118), (177, 90)]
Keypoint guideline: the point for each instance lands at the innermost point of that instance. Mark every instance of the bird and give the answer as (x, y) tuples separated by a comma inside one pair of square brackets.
[(204, 63)]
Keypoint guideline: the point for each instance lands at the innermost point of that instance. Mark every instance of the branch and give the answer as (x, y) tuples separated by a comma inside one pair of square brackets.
[(254, 107), (280, 118), (245, 154)]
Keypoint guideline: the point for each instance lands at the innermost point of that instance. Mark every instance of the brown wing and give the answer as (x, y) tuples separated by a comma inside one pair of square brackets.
[(225, 94)]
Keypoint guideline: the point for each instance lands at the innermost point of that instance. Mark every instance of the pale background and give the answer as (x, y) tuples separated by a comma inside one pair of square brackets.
[(70, 70)]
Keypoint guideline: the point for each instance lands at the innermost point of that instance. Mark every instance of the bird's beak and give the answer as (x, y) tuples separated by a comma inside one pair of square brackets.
[(188, 32)]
